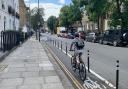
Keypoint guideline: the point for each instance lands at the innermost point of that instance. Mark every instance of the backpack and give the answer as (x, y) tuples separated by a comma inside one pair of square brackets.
[(80, 44)]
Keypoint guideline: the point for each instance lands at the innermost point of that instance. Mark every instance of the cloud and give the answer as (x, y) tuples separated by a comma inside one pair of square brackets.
[(49, 9), (26, 0), (62, 1)]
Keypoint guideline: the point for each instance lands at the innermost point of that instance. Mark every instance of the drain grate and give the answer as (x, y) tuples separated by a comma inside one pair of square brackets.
[(2, 67)]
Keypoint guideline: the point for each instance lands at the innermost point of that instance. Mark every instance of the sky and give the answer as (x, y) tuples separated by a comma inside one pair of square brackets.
[(51, 7)]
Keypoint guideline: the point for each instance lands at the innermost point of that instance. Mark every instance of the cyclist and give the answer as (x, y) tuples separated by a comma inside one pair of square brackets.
[(78, 43)]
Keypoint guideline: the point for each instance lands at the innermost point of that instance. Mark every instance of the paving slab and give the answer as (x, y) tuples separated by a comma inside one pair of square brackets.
[(11, 82), (34, 80), (30, 87), (8, 87)]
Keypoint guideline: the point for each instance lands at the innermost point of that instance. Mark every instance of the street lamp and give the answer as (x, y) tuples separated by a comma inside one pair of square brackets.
[(38, 21), (29, 18)]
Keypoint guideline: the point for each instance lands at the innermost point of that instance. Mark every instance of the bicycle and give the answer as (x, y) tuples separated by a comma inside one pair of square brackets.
[(78, 65)]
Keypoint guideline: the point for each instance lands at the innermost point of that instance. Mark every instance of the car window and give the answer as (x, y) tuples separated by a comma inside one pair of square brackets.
[(92, 34), (106, 33), (111, 32), (117, 32)]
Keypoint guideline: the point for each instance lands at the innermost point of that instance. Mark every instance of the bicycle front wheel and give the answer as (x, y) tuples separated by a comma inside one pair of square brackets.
[(73, 64), (82, 71)]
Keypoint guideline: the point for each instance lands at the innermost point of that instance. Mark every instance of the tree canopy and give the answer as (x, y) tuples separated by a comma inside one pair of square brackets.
[(52, 23), (116, 11), (36, 18), (71, 13)]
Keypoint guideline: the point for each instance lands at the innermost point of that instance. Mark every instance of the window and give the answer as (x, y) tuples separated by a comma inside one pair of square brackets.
[(117, 32), (106, 33), (3, 6), (111, 32), (10, 23), (4, 23)]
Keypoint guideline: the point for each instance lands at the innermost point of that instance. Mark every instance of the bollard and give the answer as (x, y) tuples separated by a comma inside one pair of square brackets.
[(61, 45), (88, 62), (39, 36), (58, 44), (1, 40), (55, 43), (66, 48), (117, 74)]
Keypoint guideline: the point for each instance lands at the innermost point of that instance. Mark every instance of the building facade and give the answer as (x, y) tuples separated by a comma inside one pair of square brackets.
[(23, 13), (9, 15), (88, 26)]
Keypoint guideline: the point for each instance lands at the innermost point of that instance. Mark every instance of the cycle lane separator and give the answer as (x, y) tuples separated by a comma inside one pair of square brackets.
[(94, 73), (66, 71)]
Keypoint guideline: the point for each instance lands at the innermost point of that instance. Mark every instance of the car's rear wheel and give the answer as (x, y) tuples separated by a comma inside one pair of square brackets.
[(104, 42), (115, 43), (100, 41)]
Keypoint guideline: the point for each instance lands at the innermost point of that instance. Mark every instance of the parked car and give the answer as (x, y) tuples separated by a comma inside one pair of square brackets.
[(91, 37), (62, 34), (115, 37), (59, 35), (82, 34)]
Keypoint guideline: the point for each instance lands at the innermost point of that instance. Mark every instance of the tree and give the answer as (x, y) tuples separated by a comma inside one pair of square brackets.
[(119, 15), (37, 18), (71, 13), (52, 23), (97, 11), (65, 16)]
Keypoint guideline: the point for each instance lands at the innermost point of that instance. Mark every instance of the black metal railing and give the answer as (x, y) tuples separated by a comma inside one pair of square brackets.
[(10, 39)]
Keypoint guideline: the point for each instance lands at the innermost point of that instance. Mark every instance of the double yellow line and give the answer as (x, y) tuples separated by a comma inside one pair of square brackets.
[(66, 71)]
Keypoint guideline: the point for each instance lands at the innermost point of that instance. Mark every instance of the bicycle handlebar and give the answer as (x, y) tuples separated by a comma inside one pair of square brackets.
[(71, 50)]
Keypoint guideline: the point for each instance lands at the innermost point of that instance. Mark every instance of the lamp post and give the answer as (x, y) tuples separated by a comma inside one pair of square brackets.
[(29, 18), (38, 21)]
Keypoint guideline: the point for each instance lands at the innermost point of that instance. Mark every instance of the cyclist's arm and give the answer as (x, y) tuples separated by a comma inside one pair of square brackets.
[(72, 44)]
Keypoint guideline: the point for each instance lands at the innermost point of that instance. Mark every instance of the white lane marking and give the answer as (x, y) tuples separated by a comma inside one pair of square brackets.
[(91, 84)]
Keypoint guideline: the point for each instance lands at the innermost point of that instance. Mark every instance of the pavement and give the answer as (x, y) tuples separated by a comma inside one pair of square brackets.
[(30, 67)]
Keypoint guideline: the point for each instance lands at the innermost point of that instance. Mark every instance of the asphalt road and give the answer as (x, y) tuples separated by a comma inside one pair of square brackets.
[(103, 60)]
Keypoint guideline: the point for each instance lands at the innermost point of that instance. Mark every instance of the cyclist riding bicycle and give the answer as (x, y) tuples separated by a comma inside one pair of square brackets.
[(78, 43)]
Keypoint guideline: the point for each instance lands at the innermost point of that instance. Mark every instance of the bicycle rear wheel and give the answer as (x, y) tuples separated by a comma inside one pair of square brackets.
[(73, 64), (82, 71)]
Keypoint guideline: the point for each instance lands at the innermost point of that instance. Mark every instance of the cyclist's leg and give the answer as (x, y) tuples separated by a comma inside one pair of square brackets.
[(76, 54), (80, 57)]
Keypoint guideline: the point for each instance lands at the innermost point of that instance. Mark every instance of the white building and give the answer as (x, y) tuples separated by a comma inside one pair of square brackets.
[(9, 15)]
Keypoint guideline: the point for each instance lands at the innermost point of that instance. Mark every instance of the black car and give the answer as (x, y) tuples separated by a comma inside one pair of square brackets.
[(116, 37)]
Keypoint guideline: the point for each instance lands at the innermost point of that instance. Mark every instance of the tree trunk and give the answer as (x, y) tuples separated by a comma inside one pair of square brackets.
[(98, 23), (102, 24), (81, 25), (119, 12)]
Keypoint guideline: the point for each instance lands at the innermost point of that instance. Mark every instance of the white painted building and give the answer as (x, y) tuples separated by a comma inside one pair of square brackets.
[(9, 15)]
